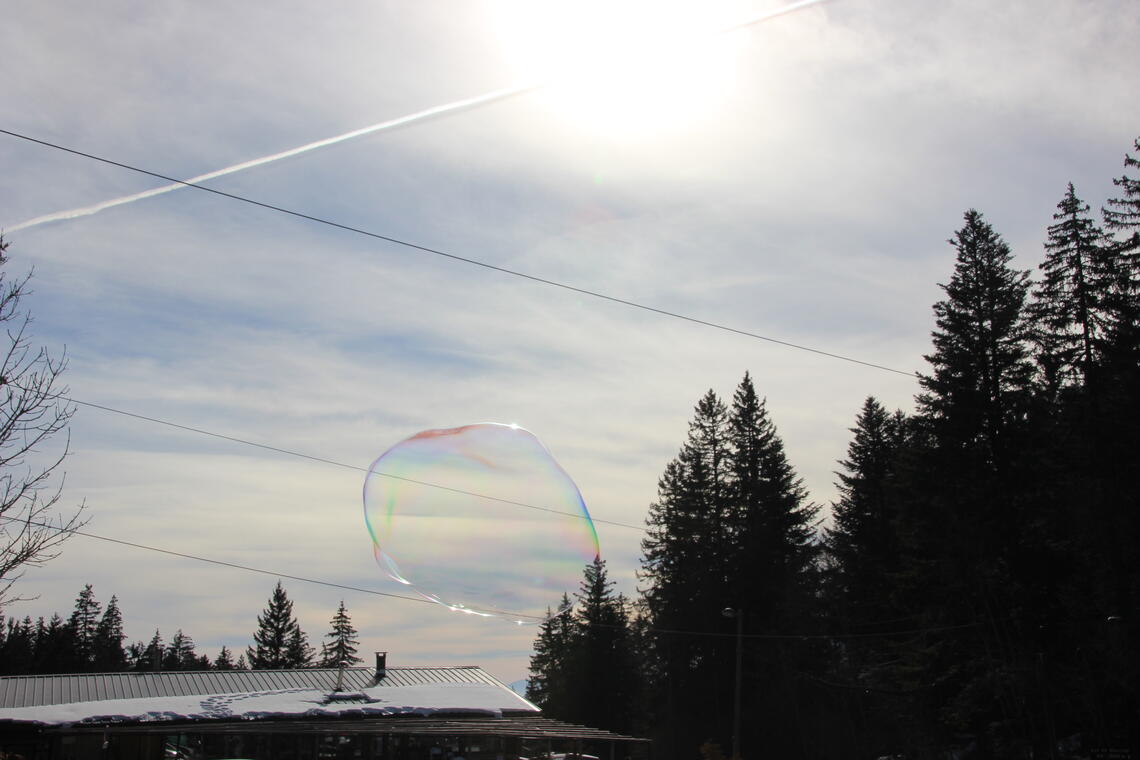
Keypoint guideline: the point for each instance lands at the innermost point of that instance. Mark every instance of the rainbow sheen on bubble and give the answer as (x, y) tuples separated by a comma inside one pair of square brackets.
[(480, 519)]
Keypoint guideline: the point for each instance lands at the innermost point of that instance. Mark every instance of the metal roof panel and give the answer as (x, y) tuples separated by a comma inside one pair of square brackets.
[(32, 691)]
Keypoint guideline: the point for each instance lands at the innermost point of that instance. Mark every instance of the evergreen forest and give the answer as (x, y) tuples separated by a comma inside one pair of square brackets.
[(972, 592), (91, 640)]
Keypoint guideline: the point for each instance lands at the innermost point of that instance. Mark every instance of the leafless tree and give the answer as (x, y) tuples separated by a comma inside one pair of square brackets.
[(33, 409)]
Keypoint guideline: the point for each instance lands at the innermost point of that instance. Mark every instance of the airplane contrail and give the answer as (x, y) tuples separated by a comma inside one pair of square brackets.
[(427, 113)]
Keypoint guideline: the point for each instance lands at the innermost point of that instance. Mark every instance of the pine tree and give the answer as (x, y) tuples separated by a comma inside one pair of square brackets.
[(683, 553), (180, 655), (772, 571), (862, 540), (980, 366), (1122, 217), (341, 647), (109, 655), (685, 568), (279, 641), (170, 658), (963, 507), (732, 529), (1123, 213), (18, 651), (772, 578), (299, 652), (601, 655), (864, 553), (1081, 533), (55, 646), (549, 685), (225, 660), (135, 655), (83, 625), (151, 656), (1099, 485), (1069, 305)]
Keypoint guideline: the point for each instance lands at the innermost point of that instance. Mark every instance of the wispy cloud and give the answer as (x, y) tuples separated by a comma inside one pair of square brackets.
[(814, 205)]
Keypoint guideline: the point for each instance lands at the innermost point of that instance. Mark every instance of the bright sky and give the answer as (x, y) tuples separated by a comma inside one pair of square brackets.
[(796, 179)]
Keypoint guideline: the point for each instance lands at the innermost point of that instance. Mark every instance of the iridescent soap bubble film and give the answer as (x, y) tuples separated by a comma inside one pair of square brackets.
[(480, 519)]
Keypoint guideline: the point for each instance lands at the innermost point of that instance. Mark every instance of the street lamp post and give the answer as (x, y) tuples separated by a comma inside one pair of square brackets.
[(737, 613)]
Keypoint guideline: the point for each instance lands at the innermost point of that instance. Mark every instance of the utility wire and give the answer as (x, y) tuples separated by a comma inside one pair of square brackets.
[(488, 98), (331, 584), (497, 613), (345, 465), (815, 636), (466, 260), (223, 563)]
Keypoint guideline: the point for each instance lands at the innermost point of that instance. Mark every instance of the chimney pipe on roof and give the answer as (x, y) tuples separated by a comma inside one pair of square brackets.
[(381, 665)]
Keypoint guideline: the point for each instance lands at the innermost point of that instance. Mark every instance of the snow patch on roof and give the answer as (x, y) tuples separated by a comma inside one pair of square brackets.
[(475, 698)]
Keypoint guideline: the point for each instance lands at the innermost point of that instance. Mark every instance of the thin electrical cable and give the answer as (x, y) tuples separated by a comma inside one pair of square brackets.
[(400, 121), (334, 462), (444, 109), (322, 460), (467, 260), (864, 688), (815, 636), (497, 613), (223, 563)]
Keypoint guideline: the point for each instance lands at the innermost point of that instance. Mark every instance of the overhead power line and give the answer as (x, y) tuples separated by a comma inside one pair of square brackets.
[(467, 260), (505, 616), (443, 109), (222, 563), (366, 470)]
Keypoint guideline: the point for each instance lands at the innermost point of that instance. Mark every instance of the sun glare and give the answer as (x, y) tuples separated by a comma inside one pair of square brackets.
[(625, 69)]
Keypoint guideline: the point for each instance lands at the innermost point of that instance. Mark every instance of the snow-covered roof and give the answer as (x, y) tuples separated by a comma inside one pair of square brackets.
[(28, 691), (178, 696)]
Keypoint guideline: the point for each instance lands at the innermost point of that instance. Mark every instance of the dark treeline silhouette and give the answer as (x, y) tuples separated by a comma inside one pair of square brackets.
[(975, 593), (91, 640)]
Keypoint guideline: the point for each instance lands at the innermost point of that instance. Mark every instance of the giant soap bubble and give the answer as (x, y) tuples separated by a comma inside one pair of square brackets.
[(479, 518)]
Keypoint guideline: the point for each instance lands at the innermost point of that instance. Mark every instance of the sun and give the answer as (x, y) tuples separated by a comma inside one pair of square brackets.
[(624, 68)]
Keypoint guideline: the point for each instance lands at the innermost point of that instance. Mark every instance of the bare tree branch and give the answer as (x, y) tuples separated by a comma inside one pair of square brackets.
[(33, 410)]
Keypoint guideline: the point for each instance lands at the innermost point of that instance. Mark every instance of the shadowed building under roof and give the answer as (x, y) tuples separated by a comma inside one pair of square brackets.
[(357, 713)]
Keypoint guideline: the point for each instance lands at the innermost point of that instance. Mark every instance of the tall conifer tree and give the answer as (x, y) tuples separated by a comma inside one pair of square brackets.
[(180, 655), (83, 626), (342, 645), (980, 369), (109, 654), (299, 652), (772, 577), (773, 559), (1122, 215), (150, 658), (549, 683), (18, 652), (732, 528), (1122, 219), (279, 641), (225, 660), (1069, 306), (685, 568), (604, 669), (55, 646), (958, 519), (862, 540)]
